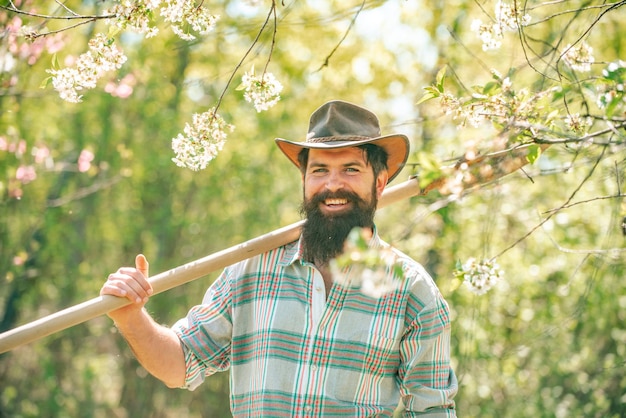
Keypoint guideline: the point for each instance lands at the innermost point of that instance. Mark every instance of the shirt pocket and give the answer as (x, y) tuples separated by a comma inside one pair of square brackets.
[(380, 355), (366, 370)]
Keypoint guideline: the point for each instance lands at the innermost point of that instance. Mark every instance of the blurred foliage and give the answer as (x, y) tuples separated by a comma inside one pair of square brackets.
[(548, 341)]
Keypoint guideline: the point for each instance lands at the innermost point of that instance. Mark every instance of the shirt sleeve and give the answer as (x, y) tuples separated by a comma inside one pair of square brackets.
[(426, 379), (206, 333)]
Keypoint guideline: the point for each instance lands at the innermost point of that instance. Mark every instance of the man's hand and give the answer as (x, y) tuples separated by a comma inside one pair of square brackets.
[(156, 347), (131, 283)]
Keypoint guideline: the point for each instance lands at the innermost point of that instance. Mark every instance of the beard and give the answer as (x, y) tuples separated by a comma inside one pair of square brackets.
[(324, 235)]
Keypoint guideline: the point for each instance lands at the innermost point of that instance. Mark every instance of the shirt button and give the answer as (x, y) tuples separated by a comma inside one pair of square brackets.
[(314, 367), (318, 288), (308, 409)]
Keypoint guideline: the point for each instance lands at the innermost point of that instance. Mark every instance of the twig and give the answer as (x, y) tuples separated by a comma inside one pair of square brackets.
[(529, 233), (52, 32), (269, 56), (84, 192), (567, 206), (610, 251), (608, 6), (345, 35), (240, 63), (74, 16)]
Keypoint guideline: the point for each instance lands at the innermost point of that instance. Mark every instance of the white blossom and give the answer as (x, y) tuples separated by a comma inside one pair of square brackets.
[(479, 276), (579, 57), (577, 123), (135, 16), (490, 35), (185, 14), (203, 140), (611, 92), (263, 92), (375, 271), (507, 19), (90, 66)]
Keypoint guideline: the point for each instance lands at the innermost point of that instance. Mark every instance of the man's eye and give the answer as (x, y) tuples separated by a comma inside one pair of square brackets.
[(352, 170)]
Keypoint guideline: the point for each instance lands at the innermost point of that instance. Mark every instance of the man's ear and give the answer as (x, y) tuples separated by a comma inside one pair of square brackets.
[(381, 182)]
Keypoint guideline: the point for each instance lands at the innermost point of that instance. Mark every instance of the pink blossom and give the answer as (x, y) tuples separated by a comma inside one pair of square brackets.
[(18, 148), (16, 193), (18, 260), (84, 160), (122, 90), (41, 153), (25, 174), (54, 43)]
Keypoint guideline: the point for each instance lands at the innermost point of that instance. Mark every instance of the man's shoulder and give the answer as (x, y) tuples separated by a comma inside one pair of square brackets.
[(420, 283), (410, 266)]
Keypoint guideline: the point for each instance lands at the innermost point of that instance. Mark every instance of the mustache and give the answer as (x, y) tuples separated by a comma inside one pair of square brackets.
[(342, 194)]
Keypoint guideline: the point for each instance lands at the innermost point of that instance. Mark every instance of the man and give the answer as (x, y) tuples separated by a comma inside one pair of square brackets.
[(297, 343)]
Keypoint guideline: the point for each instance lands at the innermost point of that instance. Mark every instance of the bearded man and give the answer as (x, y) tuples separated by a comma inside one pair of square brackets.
[(297, 342)]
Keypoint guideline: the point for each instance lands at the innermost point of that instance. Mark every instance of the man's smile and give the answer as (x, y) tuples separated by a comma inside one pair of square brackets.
[(336, 202), (335, 205)]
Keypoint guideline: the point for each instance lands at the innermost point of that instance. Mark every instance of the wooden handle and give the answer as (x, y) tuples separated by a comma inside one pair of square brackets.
[(499, 164)]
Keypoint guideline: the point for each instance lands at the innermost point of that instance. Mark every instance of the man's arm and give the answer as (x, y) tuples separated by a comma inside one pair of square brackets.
[(428, 383), (157, 348)]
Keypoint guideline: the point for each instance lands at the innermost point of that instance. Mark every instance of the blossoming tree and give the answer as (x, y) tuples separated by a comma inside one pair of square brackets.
[(146, 126)]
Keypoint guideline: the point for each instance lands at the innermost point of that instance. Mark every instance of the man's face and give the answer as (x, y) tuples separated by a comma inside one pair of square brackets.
[(340, 193), (337, 171)]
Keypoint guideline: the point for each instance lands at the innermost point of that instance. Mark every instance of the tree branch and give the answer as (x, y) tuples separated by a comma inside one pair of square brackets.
[(74, 15), (552, 213), (345, 35)]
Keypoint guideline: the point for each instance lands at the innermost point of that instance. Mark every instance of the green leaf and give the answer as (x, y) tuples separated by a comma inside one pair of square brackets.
[(534, 152), (113, 32), (430, 168), (426, 97), (439, 80), (46, 82), (55, 61), (610, 108), (490, 87)]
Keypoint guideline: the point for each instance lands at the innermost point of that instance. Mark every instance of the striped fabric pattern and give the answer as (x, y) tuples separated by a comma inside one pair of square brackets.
[(294, 352)]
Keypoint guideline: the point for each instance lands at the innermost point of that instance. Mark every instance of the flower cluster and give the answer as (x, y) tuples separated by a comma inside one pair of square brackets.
[(507, 18), (577, 123), (497, 103), (479, 276), (26, 170), (376, 271), (579, 57), (185, 15), (611, 91), (123, 88), (263, 92), (84, 160), (135, 16), (20, 45), (203, 139), (102, 57)]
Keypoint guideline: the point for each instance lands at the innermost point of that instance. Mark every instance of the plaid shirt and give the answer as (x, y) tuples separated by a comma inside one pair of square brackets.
[(292, 351)]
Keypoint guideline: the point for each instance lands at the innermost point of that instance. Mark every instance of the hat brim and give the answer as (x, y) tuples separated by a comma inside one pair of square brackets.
[(396, 146)]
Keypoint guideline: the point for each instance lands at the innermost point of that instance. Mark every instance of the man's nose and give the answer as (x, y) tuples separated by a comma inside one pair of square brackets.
[(334, 182)]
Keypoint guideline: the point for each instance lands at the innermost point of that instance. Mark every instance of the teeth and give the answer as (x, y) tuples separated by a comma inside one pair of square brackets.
[(336, 201)]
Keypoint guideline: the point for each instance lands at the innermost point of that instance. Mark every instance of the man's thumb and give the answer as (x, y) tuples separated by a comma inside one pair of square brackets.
[(141, 264)]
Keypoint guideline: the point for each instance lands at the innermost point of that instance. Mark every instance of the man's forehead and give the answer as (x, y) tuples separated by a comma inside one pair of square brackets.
[(328, 155)]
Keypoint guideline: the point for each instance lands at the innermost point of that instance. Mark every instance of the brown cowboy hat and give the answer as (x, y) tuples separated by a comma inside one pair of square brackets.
[(339, 124)]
